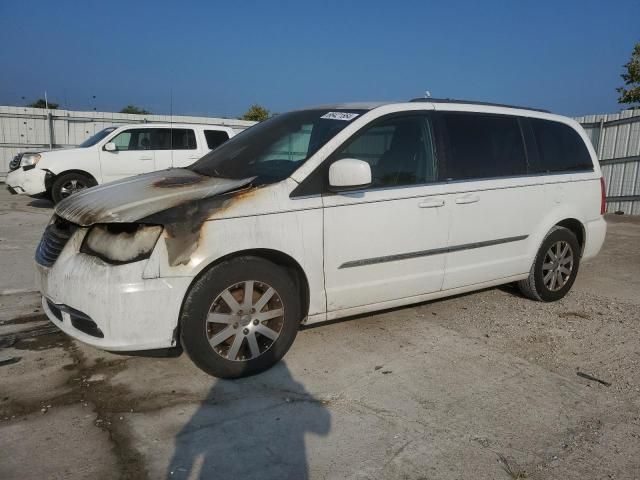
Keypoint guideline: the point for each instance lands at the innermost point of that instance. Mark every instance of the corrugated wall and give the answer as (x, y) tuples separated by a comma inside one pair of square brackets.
[(616, 138), (24, 128)]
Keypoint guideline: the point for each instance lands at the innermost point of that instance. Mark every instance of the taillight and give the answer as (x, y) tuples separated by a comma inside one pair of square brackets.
[(603, 198)]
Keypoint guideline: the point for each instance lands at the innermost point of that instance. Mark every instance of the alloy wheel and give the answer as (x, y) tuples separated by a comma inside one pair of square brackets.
[(557, 266), (71, 187), (245, 320)]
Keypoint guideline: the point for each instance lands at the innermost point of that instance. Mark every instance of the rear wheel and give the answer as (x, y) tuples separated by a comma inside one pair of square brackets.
[(555, 267), (240, 317), (69, 183)]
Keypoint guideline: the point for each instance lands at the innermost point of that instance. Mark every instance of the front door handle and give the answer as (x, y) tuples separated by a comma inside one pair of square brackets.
[(146, 158), (470, 198), (434, 203)]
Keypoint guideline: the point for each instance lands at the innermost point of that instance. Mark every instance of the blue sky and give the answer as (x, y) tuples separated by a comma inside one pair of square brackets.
[(219, 57)]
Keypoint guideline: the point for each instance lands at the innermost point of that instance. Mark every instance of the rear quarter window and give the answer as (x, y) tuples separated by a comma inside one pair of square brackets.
[(560, 148), (215, 138)]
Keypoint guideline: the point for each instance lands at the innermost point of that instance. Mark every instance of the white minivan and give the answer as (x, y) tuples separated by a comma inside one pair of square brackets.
[(112, 154), (320, 214)]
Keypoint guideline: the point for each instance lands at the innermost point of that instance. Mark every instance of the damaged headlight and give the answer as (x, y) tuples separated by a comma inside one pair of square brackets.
[(29, 159), (121, 242)]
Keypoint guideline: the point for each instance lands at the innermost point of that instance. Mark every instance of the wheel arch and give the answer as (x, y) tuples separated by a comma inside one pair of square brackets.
[(577, 228), (52, 178), (275, 256)]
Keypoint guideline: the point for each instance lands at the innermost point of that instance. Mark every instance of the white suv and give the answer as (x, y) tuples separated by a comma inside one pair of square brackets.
[(112, 154), (320, 214)]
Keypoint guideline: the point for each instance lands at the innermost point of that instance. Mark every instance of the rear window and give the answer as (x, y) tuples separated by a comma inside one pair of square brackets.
[(560, 148), (483, 146), (215, 138)]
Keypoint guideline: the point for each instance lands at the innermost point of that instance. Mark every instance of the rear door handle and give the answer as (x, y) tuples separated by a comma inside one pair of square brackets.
[(467, 199), (146, 158), (434, 203)]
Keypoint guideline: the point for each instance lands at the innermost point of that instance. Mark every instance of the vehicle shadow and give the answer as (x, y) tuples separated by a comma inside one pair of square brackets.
[(40, 202), (250, 428)]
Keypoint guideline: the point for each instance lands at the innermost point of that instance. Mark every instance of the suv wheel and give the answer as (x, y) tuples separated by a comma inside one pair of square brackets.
[(555, 267), (240, 317), (69, 183)]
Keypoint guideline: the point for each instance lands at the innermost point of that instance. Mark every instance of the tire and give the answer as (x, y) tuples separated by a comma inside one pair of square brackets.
[(540, 285), (222, 347), (68, 184)]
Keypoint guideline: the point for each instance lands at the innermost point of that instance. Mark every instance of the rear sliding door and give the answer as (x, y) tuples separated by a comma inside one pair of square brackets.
[(495, 204)]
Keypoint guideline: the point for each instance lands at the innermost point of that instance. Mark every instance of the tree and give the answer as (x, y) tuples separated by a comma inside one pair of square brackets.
[(256, 113), (41, 103), (135, 110), (631, 79)]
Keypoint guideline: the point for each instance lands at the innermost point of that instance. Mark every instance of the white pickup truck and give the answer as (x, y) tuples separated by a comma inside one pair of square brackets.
[(112, 154)]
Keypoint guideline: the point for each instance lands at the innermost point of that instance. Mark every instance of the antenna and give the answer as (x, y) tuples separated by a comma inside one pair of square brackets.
[(427, 94), (46, 102), (171, 123)]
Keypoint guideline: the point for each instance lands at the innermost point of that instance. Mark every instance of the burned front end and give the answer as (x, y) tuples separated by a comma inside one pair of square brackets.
[(99, 258)]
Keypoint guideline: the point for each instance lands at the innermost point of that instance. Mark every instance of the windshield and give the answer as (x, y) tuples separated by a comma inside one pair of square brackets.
[(272, 150), (91, 141)]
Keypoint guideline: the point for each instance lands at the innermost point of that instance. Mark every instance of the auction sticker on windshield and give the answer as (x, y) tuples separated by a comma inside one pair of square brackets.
[(340, 116)]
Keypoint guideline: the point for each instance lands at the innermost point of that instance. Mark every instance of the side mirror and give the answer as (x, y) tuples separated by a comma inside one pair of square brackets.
[(349, 174), (110, 147)]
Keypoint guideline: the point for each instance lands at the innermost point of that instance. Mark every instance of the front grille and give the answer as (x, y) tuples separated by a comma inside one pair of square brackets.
[(15, 162), (55, 237)]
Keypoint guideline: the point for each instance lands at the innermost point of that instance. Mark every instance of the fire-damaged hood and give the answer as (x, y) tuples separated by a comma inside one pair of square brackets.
[(135, 198)]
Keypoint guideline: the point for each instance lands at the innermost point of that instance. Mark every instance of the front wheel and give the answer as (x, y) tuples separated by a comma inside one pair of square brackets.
[(555, 267), (69, 183), (240, 317)]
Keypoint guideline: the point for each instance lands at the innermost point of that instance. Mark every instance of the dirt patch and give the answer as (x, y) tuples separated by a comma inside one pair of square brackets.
[(44, 341), (88, 386), (36, 316)]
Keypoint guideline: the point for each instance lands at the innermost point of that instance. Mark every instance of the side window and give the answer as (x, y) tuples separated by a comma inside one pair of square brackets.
[(399, 150), (483, 146), (215, 138), (560, 148), (134, 139), (182, 139), (122, 140)]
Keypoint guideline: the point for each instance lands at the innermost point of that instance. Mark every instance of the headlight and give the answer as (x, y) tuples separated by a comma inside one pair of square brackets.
[(121, 242), (29, 159)]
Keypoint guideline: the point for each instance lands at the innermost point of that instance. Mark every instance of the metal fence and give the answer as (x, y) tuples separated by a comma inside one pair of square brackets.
[(616, 139), (24, 128)]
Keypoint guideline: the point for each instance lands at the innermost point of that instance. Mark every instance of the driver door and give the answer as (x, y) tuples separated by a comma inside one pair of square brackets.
[(134, 154), (387, 242)]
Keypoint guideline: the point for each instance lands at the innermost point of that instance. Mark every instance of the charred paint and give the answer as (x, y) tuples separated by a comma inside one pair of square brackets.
[(134, 198), (171, 182), (184, 223)]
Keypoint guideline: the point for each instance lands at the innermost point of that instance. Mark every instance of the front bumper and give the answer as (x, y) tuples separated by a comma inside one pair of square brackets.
[(28, 182), (86, 297)]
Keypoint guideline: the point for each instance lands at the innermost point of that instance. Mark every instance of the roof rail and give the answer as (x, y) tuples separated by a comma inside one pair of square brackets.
[(472, 102)]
